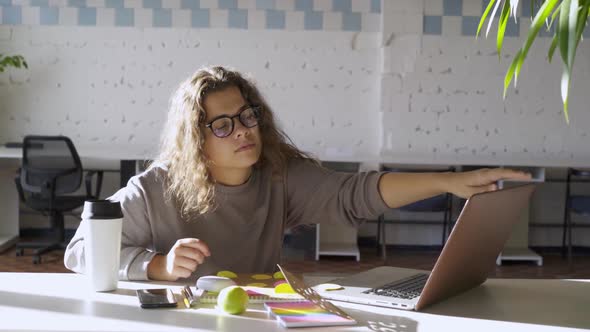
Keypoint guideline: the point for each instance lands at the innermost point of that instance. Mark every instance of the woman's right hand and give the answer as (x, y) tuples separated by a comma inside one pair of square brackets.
[(182, 260)]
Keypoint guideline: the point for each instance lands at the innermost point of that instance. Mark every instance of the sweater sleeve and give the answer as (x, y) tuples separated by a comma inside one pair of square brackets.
[(318, 195), (136, 236)]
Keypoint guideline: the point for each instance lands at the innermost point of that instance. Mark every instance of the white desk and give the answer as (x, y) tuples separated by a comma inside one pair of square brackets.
[(95, 152), (10, 162), (49, 302), (9, 202), (517, 246), (336, 240)]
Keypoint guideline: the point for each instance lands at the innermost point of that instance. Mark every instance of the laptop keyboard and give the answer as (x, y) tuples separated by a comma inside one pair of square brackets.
[(408, 288)]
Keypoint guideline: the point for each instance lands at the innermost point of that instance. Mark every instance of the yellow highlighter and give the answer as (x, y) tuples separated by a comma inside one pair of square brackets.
[(190, 299)]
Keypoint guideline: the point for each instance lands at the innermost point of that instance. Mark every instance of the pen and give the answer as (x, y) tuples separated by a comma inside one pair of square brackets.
[(186, 298), (189, 297)]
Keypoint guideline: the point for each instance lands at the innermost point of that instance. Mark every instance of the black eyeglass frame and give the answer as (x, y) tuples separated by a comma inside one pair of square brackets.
[(254, 108)]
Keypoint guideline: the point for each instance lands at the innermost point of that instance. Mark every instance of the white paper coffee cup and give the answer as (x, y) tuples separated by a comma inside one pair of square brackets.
[(103, 222)]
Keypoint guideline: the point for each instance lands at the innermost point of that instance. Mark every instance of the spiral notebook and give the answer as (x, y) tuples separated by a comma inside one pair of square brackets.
[(305, 314), (255, 297), (315, 311)]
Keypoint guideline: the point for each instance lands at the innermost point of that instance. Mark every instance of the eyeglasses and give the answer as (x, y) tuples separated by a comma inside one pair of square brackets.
[(223, 126)]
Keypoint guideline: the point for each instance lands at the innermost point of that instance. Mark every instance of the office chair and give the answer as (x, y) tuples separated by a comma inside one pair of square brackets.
[(50, 169), (338, 240), (438, 204), (578, 204)]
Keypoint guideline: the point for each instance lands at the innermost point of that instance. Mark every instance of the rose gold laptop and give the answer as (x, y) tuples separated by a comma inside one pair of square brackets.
[(482, 229)]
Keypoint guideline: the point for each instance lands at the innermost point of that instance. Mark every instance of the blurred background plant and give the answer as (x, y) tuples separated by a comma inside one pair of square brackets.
[(569, 17), (16, 61)]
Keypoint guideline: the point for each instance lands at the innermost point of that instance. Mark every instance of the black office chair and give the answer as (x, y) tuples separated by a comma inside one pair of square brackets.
[(438, 204), (50, 169), (578, 204)]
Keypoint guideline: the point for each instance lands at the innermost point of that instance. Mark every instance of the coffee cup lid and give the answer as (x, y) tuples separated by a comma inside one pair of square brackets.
[(102, 209)]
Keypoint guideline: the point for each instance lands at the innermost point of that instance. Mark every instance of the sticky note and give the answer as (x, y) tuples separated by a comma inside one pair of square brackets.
[(227, 274), (328, 287), (284, 288), (283, 281), (257, 284)]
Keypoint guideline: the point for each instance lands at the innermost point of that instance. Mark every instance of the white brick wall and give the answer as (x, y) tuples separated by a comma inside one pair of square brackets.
[(105, 17), (181, 18), (111, 85), (256, 19), (401, 96), (30, 15), (294, 21), (172, 4)]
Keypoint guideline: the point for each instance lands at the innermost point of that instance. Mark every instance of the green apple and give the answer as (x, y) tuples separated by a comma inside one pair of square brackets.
[(233, 300)]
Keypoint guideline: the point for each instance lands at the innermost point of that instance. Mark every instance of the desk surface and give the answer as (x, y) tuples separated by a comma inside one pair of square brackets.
[(148, 152), (43, 301), (108, 153)]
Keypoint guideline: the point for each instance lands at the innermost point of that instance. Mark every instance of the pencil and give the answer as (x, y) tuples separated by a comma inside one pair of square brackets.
[(185, 297)]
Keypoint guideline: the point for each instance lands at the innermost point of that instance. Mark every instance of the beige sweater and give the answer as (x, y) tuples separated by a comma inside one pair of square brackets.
[(245, 231)]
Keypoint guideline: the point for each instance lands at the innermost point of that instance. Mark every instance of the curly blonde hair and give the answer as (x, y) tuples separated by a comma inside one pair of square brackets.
[(188, 181)]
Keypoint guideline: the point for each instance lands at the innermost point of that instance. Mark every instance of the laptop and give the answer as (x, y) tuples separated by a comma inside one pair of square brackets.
[(481, 231)]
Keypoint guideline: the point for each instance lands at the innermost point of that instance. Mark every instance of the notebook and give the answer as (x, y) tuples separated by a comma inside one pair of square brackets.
[(316, 311), (311, 295), (260, 288), (255, 297), (304, 314)]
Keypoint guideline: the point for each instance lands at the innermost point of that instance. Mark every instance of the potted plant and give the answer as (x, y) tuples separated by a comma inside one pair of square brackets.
[(569, 17), (16, 61)]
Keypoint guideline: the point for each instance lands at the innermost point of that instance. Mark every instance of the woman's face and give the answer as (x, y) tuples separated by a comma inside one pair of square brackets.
[(242, 147)]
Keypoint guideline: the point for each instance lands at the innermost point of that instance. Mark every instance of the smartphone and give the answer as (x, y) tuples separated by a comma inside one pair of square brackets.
[(156, 298)]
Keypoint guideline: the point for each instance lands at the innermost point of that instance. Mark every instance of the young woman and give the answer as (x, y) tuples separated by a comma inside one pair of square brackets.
[(228, 182)]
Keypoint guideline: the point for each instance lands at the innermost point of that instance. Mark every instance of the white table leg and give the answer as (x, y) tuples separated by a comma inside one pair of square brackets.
[(9, 204)]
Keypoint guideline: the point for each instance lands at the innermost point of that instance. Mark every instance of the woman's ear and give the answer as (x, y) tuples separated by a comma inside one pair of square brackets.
[(201, 116)]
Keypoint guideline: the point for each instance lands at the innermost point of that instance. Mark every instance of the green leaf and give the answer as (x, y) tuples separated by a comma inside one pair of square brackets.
[(565, 78), (510, 72), (576, 21), (563, 31), (491, 20), (513, 8), (552, 48), (581, 23), (572, 33), (502, 26), (483, 17), (553, 16), (546, 9), (567, 32), (17, 61)]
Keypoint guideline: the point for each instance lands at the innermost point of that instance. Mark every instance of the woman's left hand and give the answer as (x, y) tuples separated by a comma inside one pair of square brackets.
[(466, 184)]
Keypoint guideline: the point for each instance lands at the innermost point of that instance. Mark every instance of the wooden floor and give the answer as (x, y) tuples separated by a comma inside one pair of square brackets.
[(554, 266)]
